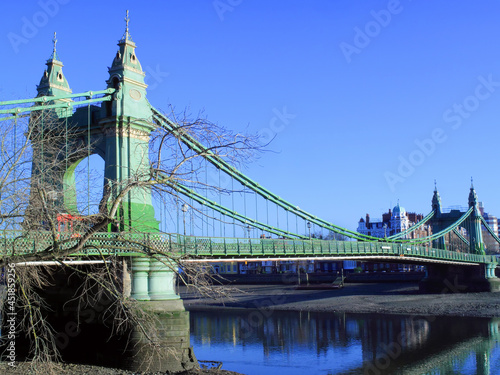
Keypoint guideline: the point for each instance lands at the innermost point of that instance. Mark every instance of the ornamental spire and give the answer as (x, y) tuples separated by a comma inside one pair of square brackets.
[(126, 36), (473, 201), (127, 19), (436, 200), (53, 82), (54, 40), (54, 52)]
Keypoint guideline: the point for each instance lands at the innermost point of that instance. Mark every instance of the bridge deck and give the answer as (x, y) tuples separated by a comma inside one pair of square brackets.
[(211, 248)]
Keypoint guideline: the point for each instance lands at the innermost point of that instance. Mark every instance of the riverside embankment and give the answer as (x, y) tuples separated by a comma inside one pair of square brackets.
[(385, 298)]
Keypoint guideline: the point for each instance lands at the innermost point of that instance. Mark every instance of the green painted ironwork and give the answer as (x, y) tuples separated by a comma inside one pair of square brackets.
[(46, 99), (119, 132), (475, 232), (20, 111), (459, 235), (443, 232), (190, 247), (230, 213), (495, 237), (221, 164)]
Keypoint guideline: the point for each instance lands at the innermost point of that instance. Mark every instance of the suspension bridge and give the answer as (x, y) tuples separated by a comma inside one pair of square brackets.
[(161, 169)]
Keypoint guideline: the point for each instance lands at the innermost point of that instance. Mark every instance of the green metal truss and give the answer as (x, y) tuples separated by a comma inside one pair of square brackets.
[(229, 213), (221, 164), (20, 111)]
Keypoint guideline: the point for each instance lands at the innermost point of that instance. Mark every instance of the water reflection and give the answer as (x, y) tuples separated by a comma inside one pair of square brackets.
[(257, 342)]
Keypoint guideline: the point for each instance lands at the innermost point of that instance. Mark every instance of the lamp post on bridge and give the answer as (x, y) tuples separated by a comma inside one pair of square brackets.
[(184, 209), (309, 226), (385, 231)]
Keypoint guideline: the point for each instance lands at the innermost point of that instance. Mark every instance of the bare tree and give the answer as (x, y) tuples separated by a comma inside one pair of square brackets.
[(35, 154)]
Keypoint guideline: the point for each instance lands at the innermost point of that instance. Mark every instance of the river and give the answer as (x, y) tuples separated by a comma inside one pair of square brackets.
[(288, 342)]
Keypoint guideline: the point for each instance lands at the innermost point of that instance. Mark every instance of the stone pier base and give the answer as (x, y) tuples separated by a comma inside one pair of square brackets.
[(443, 278), (163, 344)]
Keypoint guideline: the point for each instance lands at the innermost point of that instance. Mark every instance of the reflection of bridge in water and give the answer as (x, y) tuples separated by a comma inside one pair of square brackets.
[(386, 344)]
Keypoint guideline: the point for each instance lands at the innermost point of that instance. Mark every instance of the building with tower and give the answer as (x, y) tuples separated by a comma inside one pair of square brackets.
[(393, 221)]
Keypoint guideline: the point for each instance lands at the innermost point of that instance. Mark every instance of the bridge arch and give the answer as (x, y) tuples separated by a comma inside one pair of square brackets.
[(84, 185)]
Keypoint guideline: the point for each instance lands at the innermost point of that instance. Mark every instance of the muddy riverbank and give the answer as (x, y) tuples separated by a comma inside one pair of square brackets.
[(385, 298), (25, 368)]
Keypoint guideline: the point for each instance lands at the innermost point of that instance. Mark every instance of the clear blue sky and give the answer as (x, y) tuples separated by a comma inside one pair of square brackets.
[(348, 88)]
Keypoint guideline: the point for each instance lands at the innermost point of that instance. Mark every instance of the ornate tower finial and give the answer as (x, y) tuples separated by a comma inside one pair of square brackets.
[(126, 36), (53, 82), (436, 200), (54, 52), (55, 41), (472, 195), (127, 19)]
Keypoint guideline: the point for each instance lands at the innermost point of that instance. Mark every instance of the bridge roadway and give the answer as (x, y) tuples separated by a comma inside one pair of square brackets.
[(217, 249)]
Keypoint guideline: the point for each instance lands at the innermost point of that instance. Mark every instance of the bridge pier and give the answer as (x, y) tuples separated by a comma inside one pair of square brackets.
[(160, 344), (443, 278), (153, 285), (153, 279), (162, 280), (163, 344), (490, 271), (139, 278)]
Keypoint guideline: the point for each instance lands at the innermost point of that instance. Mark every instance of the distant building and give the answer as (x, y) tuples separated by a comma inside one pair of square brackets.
[(393, 222)]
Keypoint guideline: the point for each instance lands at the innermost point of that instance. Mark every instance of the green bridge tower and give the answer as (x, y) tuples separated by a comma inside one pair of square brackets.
[(453, 278), (118, 130)]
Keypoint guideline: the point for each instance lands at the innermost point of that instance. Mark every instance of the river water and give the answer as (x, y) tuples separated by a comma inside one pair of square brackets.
[(266, 342)]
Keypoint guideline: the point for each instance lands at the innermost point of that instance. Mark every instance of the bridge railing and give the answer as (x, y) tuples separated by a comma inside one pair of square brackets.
[(251, 247), (19, 243), (130, 244)]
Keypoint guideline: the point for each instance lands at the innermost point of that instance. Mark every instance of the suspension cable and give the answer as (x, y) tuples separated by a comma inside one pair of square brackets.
[(488, 228), (88, 159)]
